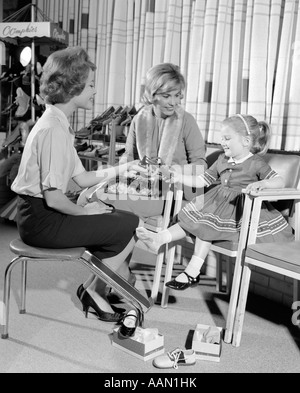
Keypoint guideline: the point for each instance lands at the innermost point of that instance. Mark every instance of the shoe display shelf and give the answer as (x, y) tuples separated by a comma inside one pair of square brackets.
[(100, 152)]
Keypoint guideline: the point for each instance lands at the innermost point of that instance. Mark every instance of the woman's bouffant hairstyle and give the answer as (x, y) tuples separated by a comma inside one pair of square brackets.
[(64, 75), (162, 78), (259, 132)]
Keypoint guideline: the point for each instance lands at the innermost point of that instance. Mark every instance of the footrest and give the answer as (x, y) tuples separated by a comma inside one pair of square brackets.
[(118, 283)]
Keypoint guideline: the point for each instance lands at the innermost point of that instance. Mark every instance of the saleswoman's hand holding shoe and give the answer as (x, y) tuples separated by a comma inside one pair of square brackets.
[(97, 208)]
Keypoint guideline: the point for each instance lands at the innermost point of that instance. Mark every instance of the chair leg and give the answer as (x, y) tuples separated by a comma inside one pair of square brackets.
[(228, 275), (6, 296), (168, 275), (219, 273), (23, 287), (235, 287), (241, 308), (157, 274)]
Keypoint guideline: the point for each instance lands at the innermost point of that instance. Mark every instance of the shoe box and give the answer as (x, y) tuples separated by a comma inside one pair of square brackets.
[(207, 342), (145, 344)]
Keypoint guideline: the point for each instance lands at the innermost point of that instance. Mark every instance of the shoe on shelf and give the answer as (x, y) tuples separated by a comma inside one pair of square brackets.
[(176, 358), (84, 132), (23, 101), (181, 286), (127, 121), (9, 108), (130, 322), (88, 302), (14, 137), (104, 114), (81, 147), (101, 151)]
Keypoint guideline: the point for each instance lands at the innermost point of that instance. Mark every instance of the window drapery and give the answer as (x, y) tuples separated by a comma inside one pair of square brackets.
[(238, 56)]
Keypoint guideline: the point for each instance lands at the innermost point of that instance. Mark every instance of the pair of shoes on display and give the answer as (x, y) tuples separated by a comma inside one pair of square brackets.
[(101, 151), (95, 125), (81, 147), (13, 138), (181, 286), (88, 302), (114, 115), (9, 108), (176, 358), (129, 323), (91, 151), (98, 122)]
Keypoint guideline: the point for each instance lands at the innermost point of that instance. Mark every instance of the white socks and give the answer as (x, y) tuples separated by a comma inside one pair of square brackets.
[(165, 236), (192, 269)]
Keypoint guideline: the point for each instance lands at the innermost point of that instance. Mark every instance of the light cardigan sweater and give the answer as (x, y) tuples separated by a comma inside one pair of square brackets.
[(176, 139)]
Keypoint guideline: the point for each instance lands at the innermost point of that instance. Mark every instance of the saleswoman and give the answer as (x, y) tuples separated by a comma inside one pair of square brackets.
[(46, 217)]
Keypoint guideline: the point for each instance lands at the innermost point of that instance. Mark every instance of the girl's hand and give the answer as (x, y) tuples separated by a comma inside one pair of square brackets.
[(257, 186), (97, 208)]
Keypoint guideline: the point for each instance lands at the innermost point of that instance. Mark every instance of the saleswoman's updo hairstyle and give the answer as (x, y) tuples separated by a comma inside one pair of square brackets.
[(64, 75)]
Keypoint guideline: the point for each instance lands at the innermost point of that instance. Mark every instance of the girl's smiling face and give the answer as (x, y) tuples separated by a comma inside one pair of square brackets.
[(235, 145)]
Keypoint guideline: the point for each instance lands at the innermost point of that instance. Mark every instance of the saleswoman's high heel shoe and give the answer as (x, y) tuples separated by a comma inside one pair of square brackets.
[(88, 302)]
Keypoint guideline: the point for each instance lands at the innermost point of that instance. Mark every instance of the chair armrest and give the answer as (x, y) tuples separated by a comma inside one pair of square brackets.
[(276, 193)]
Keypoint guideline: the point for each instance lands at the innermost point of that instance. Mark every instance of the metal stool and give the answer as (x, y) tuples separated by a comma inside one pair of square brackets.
[(27, 253)]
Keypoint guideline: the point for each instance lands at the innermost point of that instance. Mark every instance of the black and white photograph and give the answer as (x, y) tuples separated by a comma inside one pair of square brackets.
[(149, 189)]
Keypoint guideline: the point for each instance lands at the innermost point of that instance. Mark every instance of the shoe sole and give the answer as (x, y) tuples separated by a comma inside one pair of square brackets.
[(179, 365)]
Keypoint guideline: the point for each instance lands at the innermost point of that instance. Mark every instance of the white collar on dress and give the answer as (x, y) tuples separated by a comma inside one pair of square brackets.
[(232, 160)]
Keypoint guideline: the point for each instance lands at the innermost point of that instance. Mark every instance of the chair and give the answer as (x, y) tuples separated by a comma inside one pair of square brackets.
[(288, 166), (281, 258), (25, 254), (157, 224)]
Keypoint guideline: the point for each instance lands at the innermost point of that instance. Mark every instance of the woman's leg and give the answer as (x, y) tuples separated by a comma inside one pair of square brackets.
[(119, 263), (155, 240)]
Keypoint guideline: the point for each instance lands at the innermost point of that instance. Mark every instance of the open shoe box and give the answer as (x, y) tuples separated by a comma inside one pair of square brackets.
[(142, 350), (205, 350)]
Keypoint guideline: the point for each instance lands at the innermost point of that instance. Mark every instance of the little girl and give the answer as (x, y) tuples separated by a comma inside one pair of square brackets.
[(217, 214)]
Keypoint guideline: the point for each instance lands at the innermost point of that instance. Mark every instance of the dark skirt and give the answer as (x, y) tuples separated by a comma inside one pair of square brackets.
[(105, 235)]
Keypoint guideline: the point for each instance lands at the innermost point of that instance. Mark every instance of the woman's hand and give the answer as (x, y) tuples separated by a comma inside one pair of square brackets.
[(172, 176), (256, 186), (97, 208), (134, 166)]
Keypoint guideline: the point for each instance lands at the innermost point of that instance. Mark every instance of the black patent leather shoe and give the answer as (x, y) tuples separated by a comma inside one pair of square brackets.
[(88, 302), (130, 322), (181, 286)]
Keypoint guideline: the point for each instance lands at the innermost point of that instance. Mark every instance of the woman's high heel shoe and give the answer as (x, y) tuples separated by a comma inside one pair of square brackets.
[(80, 291), (88, 302)]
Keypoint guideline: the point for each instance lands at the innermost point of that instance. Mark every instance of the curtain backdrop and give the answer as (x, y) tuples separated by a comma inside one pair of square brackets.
[(238, 56)]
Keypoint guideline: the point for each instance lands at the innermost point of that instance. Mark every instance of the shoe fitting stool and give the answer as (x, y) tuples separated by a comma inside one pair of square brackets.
[(25, 254)]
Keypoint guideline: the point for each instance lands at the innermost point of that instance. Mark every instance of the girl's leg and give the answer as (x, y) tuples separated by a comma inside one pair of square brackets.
[(193, 268), (155, 240)]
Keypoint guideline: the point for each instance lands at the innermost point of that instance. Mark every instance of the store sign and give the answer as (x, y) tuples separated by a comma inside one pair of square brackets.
[(33, 30)]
